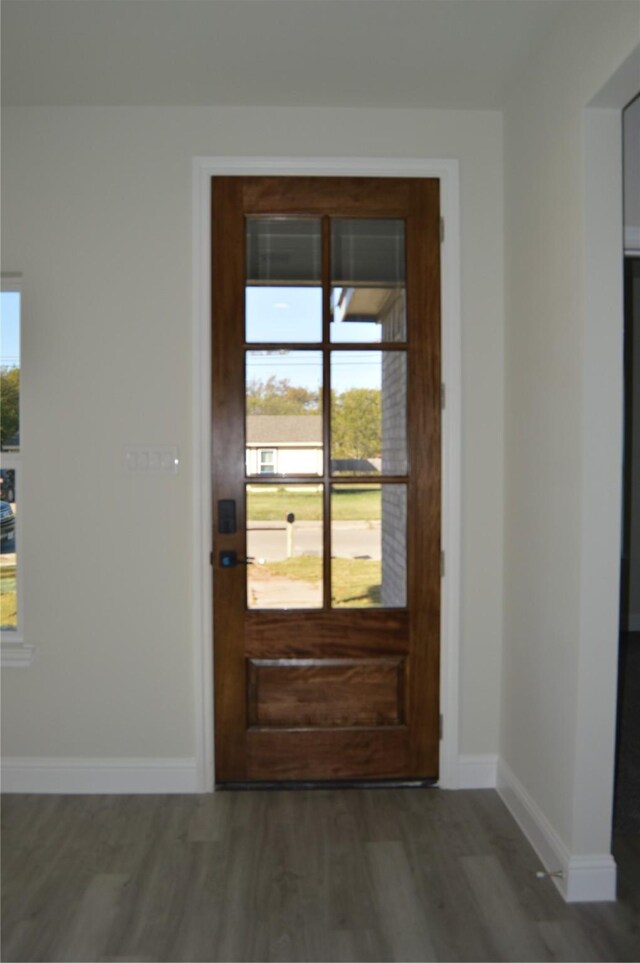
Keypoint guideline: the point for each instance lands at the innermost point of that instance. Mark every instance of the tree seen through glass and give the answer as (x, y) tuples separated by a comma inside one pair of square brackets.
[(10, 446)]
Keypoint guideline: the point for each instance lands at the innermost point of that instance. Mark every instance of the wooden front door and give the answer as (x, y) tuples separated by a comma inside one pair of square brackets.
[(326, 408)]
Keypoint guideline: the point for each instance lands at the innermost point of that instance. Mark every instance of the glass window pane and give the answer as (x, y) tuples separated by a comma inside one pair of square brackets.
[(10, 370), (368, 300), (368, 412), (284, 412), (285, 540), (8, 558), (283, 297), (368, 546), (267, 462), (276, 314)]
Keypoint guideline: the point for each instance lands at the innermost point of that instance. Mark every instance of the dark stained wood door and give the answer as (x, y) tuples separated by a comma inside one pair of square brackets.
[(326, 438)]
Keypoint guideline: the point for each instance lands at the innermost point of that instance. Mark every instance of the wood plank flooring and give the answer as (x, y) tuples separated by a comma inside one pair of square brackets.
[(344, 875)]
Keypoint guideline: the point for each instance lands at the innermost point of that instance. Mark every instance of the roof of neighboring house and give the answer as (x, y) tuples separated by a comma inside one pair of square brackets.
[(284, 429)]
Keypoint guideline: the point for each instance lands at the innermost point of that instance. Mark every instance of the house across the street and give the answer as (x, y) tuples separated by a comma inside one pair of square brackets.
[(284, 445), (292, 445)]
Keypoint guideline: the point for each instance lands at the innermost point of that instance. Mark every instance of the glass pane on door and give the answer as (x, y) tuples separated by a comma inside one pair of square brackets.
[(283, 412), (368, 412), (368, 546), (368, 287), (283, 292), (285, 543)]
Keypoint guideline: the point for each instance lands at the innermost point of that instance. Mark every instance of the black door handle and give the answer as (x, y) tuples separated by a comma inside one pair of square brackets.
[(229, 559)]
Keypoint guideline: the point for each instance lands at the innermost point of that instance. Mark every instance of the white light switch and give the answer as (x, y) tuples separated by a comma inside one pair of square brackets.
[(151, 459)]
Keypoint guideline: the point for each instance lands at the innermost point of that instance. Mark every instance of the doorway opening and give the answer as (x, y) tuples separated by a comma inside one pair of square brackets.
[(447, 174), (626, 816)]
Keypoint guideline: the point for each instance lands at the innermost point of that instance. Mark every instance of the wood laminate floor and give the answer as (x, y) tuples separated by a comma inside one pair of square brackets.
[(361, 875)]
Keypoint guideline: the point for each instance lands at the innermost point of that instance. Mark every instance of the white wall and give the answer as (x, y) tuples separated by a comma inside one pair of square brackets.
[(96, 213), (563, 426)]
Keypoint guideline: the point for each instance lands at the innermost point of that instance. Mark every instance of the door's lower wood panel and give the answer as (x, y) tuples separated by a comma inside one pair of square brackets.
[(325, 754), (325, 693)]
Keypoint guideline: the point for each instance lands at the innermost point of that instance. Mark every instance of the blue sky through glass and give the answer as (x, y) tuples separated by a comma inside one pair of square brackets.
[(283, 314), (290, 314), (301, 368), (349, 369), (10, 329)]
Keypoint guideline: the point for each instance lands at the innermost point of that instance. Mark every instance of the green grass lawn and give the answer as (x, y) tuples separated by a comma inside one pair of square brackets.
[(356, 582), (348, 504), (8, 598)]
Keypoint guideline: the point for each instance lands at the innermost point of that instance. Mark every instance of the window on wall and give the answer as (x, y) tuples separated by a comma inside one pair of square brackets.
[(267, 461), (11, 602)]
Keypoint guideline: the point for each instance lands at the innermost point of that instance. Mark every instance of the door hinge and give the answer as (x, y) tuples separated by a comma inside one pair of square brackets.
[(440, 725), (442, 564), (443, 396), (210, 558), (442, 230)]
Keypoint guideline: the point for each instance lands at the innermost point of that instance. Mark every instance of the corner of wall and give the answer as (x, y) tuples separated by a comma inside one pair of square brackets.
[(580, 879)]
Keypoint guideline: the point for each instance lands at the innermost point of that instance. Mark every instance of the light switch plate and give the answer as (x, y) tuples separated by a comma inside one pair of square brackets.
[(151, 459)]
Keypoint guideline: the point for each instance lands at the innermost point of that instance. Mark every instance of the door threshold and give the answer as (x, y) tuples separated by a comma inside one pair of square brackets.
[(328, 784)]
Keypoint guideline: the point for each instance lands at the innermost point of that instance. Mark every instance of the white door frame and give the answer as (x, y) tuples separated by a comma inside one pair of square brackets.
[(204, 168)]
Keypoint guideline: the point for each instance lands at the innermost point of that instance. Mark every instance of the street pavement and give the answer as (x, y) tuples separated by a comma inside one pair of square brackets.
[(268, 540)]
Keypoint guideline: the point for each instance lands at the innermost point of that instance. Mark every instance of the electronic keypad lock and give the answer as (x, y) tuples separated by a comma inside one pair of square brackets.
[(227, 516)]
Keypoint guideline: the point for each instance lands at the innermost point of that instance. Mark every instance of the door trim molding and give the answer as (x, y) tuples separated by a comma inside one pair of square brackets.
[(446, 171)]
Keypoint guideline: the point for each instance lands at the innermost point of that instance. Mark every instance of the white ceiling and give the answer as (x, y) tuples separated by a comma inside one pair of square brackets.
[(394, 53)]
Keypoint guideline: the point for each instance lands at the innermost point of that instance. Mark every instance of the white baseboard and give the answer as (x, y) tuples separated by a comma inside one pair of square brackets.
[(585, 878), (591, 879), (477, 772), (73, 776)]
